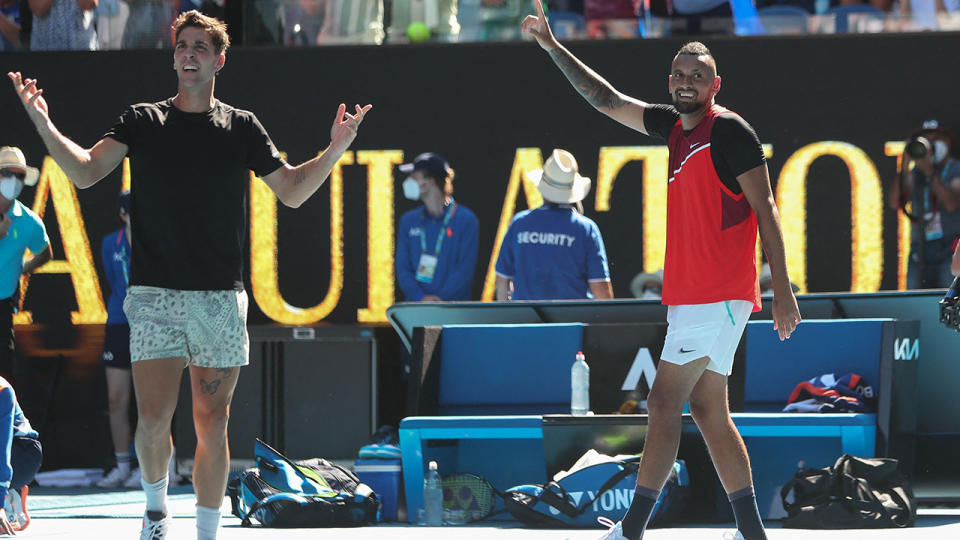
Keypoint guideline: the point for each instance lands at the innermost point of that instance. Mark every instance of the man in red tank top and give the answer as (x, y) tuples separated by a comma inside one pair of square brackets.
[(718, 198)]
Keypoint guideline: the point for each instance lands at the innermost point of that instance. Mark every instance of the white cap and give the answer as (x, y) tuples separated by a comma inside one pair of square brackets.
[(432, 466)]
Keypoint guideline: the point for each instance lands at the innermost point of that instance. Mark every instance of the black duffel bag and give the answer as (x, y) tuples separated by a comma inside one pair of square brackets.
[(855, 493)]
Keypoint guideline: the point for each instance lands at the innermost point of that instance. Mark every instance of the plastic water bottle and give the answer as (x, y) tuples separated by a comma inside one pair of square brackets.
[(432, 497), (580, 386)]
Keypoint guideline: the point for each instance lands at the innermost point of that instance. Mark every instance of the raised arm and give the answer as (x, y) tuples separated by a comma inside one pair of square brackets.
[(594, 88), (84, 167), (294, 185)]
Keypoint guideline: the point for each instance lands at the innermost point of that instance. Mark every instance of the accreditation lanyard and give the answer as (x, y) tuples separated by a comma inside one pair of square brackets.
[(444, 230), (124, 264)]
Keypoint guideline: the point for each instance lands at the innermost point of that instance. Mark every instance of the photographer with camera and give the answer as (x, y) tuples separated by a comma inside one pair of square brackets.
[(932, 189)]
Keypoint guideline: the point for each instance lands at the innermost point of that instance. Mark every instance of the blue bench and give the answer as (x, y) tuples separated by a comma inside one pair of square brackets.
[(496, 380)]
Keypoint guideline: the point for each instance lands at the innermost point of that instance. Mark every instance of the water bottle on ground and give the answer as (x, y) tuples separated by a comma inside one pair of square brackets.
[(432, 497), (580, 386)]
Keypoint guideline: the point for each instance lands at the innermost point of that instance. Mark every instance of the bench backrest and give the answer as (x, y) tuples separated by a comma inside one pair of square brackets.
[(507, 369), (774, 367)]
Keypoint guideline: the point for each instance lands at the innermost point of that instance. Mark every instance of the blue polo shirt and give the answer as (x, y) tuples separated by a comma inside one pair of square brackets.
[(552, 253), (456, 262), (26, 232), (116, 266)]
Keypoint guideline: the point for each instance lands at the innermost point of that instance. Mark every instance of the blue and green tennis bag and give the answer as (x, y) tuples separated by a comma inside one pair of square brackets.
[(311, 493), (601, 490)]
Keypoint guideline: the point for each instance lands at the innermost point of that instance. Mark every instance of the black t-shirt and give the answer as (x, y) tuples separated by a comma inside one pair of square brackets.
[(190, 173), (734, 145)]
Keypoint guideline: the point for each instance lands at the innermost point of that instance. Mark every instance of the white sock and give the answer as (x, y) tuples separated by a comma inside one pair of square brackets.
[(156, 494), (208, 521), (123, 462)]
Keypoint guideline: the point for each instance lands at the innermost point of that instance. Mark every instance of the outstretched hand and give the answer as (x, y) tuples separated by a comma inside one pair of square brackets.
[(538, 26), (30, 96), (345, 126)]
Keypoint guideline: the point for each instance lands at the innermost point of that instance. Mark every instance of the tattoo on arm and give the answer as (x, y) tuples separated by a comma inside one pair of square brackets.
[(591, 86)]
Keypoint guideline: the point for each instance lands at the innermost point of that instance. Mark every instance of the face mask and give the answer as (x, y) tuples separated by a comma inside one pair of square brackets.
[(650, 294), (411, 189), (939, 151), (10, 188)]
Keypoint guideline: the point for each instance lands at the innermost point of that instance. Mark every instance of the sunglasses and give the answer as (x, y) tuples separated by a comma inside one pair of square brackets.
[(13, 174)]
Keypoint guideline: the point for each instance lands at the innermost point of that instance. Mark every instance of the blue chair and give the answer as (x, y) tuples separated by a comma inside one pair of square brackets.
[(861, 12), (567, 24), (784, 19)]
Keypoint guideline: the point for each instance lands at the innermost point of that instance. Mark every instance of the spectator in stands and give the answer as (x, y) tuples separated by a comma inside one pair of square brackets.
[(925, 14), (931, 186), (148, 26), (491, 20), (112, 18), (705, 16), (554, 252), (63, 25), (263, 22), (9, 25), (20, 230), (116, 349), (352, 21), (303, 20), (20, 458), (437, 241), (610, 18)]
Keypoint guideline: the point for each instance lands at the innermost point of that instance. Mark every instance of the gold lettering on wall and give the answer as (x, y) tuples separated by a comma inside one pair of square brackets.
[(524, 161), (895, 149), (380, 232), (866, 213), (263, 252), (655, 164), (78, 261)]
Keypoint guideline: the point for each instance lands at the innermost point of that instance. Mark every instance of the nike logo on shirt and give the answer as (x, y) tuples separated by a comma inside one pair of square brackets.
[(682, 351), (694, 145)]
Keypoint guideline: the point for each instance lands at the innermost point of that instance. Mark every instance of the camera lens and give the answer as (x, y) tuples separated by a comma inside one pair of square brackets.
[(916, 149)]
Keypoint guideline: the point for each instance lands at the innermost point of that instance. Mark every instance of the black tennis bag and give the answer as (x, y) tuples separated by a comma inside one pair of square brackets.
[(311, 493), (855, 493), (601, 490)]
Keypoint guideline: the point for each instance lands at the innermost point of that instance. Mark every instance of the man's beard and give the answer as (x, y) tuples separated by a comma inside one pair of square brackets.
[(687, 107)]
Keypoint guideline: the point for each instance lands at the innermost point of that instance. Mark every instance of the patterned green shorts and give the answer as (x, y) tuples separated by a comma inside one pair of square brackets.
[(208, 328)]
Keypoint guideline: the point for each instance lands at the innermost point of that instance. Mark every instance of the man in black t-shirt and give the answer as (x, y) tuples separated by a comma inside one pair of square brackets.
[(190, 155), (718, 196)]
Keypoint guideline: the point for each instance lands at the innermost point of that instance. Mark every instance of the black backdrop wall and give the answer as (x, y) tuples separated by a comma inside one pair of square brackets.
[(478, 104)]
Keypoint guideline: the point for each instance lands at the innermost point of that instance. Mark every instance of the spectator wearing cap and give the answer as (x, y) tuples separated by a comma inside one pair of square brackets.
[(116, 348), (20, 230), (927, 189), (554, 252), (437, 241)]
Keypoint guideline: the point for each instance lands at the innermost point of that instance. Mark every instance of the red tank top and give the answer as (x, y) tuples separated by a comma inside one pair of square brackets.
[(711, 231)]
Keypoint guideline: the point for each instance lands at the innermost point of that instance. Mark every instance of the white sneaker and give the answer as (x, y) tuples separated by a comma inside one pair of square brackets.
[(615, 531), (16, 508), (732, 536), (113, 479), (133, 481), (154, 530)]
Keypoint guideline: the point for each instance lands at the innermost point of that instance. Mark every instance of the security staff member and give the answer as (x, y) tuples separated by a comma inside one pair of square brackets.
[(553, 252)]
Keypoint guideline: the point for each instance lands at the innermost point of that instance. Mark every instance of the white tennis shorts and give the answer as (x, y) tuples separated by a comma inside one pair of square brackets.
[(713, 330)]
